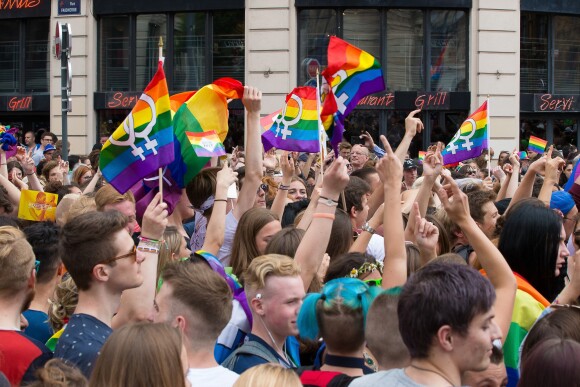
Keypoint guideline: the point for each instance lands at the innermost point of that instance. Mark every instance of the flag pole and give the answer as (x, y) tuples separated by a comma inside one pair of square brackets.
[(321, 143), (488, 138), (160, 169)]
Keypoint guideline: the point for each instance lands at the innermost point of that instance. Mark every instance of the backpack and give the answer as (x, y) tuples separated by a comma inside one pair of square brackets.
[(249, 348)]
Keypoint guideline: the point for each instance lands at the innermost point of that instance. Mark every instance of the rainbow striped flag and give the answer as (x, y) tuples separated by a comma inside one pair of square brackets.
[(422, 155), (143, 143), (296, 127), (206, 110), (352, 74), (537, 145), (529, 305), (471, 138), (206, 144)]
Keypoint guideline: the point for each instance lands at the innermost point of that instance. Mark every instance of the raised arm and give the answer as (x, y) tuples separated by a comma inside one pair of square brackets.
[(413, 125), (492, 261), (281, 196), (30, 172), (214, 235), (93, 183), (554, 169), (253, 102), (512, 184), (526, 186), (137, 304), (311, 250), (390, 169)]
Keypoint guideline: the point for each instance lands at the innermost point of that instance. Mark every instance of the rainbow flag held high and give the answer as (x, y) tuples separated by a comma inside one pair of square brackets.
[(296, 127), (422, 155), (471, 138), (206, 144), (537, 145), (351, 74), (206, 110), (143, 143)]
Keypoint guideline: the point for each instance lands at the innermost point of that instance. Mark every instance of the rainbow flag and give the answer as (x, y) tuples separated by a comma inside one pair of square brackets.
[(266, 122), (422, 155), (143, 143), (206, 110), (537, 145), (351, 74), (471, 138), (529, 305), (296, 128), (206, 144)]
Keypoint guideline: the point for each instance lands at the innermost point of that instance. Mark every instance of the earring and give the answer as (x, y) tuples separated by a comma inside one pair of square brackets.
[(259, 296)]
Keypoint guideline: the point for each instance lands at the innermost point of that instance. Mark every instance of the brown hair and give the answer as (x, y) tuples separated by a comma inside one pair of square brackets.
[(201, 187), (382, 332), (5, 202), (244, 248), (140, 355), (267, 375), (49, 166), (16, 260), (476, 201), (94, 157), (341, 235), (79, 172), (87, 240), (109, 195), (204, 294), (56, 373)]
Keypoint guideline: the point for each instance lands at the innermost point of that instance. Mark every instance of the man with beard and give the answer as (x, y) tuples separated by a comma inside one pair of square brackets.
[(19, 356)]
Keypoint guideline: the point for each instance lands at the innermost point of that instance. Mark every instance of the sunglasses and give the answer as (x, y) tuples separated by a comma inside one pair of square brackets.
[(263, 187), (133, 254), (374, 282)]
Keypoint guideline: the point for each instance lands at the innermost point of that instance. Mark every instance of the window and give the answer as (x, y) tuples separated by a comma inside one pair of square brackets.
[(198, 48), (550, 54), (448, 44), (315, 28), (404, 49), (24, 55)]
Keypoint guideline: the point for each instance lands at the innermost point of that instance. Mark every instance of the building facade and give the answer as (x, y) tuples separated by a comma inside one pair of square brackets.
[(445, 57)]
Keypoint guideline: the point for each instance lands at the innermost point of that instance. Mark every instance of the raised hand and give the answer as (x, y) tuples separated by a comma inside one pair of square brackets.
[(335, 179), (288, 168), (454, 201), (226, 177), (368, 140), (413, 125), (389, 167), (155, 219), (252, 99)]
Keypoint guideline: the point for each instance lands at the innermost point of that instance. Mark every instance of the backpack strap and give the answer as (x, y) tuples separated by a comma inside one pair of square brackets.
[(249, 348)]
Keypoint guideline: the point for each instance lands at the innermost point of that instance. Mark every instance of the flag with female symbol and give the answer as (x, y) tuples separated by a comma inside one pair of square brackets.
[(296, 127), (143, 143), (471, 138)]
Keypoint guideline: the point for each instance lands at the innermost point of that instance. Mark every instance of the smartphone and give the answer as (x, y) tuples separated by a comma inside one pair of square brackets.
[(232, 191)]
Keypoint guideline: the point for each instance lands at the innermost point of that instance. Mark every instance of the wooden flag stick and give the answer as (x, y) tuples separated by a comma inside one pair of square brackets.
[(161, 169)]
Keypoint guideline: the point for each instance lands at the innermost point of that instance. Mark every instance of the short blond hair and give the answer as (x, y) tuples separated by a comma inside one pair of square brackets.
[(266, 375), (109, 195), (266, 266), (16, 260)]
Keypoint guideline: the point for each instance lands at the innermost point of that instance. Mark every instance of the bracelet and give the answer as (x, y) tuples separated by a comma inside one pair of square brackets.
[(145, 239), (327, 202), (148, 250), (284, 187), (149, 244), (325, 198), (30, 174), (220, 200), (321, 215)]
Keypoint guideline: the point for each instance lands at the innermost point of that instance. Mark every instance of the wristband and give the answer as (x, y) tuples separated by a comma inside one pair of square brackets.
[(220, 200), (283, 187), (148, 249), (325, 198), (321, 215)]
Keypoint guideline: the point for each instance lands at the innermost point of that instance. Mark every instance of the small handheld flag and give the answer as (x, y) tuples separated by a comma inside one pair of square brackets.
[(206, 144), (537, 145), (36, 205)]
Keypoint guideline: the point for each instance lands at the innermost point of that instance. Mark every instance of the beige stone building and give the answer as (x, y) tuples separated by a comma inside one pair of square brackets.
[(445, 56)]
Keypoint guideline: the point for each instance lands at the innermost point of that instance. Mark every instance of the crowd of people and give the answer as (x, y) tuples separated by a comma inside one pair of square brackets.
[(370, 268)]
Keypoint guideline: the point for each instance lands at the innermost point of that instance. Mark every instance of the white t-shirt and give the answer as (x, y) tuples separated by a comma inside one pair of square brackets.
[(376, 247), (212, 377)]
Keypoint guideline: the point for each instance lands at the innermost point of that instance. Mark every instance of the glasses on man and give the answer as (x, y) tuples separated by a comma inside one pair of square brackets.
[(133, 254)]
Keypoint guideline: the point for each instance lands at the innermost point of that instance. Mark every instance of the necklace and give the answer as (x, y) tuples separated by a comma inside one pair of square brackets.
[(434, 372)]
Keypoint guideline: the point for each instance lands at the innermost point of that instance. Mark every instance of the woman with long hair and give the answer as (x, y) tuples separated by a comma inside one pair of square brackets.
[(255, 229), (142, 355)]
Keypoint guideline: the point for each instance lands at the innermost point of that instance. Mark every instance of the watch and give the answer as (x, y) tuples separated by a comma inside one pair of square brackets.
[(368, 228)]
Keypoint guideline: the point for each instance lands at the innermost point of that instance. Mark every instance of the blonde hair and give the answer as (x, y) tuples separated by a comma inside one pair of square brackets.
[(64, 206), (172, 240), (109, 195), (80, 206), (266, 375), (268, 265), (16, 260), (62, 303)]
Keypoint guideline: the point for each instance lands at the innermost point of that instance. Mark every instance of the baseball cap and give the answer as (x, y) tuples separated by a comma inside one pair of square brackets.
[(48, 148), (409, 164)]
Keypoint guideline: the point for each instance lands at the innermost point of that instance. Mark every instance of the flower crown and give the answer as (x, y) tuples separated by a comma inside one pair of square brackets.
[(367, 267)]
